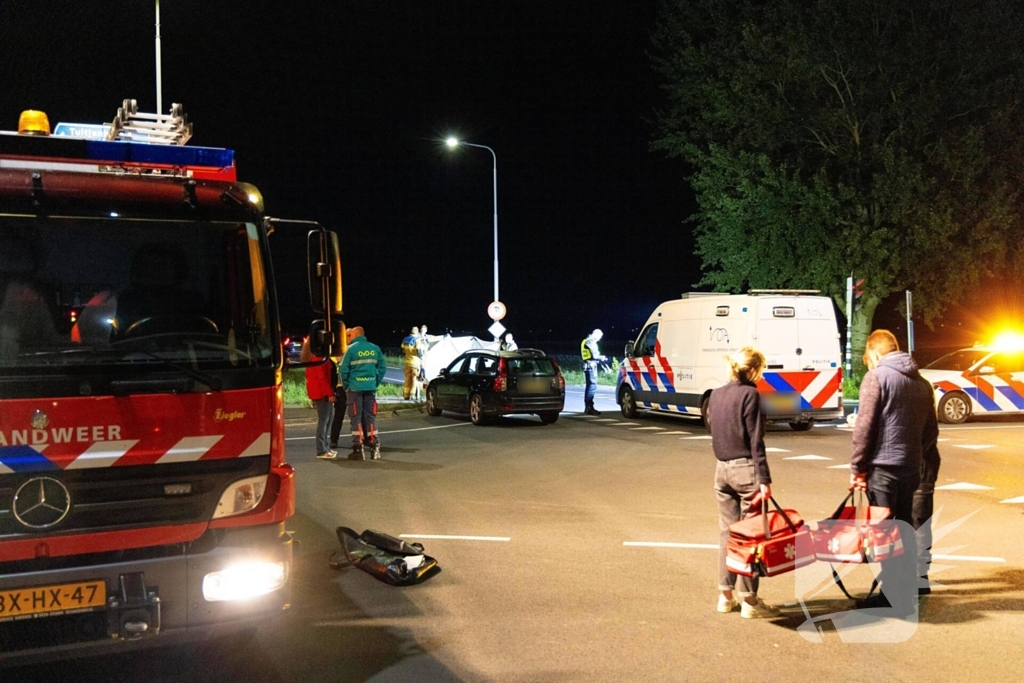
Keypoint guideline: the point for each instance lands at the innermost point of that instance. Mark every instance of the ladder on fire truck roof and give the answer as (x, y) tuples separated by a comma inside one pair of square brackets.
[(131, 125)]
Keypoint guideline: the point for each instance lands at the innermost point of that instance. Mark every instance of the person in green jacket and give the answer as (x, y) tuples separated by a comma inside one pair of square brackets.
[(362, 371)]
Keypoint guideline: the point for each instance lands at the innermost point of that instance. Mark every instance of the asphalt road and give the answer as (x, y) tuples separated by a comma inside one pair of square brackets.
[(547, 591)]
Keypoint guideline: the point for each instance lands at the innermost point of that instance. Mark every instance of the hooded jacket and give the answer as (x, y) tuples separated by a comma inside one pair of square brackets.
[(896, 424)]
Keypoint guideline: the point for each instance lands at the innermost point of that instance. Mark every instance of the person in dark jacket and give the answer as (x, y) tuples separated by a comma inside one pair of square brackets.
[(895, 441), (742, 474)]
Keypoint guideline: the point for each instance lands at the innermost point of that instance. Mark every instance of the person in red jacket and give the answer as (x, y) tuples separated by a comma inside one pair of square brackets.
[(320, 391)]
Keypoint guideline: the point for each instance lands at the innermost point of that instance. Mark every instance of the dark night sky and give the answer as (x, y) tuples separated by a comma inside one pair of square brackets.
[(338, 113)]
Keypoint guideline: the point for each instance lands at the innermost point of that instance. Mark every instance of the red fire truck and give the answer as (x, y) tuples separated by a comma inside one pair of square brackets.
[(143, 482)]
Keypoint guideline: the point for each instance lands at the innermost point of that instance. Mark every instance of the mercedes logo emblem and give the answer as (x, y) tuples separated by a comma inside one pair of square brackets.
[(41, 502), (40, 420)]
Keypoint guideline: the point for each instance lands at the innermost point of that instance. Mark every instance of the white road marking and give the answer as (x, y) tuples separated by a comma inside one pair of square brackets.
[(823, 424), (656, 544), (807, 457), (839, 467), (625, 424), (641, 429), (776, 450), (976, 428), (582, 416), (964, 486), (1017, 500), (974, 446), (675, 432), (692, 438), (610, 419), (394, 431), (941, 440), (968, 558), (499, 539)]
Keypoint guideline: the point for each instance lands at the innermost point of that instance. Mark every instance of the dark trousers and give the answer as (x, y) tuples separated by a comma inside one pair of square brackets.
[(363, 411), (924, 504), (340, 403), (735, 487), (894, 487), (590, 371)]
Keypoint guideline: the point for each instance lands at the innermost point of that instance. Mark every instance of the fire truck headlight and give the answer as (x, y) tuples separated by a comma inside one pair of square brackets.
[(241, 496), (245, 580)]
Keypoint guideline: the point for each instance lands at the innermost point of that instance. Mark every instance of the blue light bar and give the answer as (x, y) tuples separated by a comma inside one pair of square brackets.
[(169, 155)]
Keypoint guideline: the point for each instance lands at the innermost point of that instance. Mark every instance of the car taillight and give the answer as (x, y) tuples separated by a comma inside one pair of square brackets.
[(501, 381), (558, 381)]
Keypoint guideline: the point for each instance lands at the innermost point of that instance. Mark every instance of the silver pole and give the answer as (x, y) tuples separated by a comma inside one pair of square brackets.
[(849, 326), (910, 323), (496, 229), (159, 78)]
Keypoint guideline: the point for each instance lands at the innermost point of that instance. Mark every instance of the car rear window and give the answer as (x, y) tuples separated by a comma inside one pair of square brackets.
[(531, 366)]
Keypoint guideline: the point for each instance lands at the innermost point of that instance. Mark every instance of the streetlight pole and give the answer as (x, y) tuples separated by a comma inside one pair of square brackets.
[(159, 86), (453, 143)]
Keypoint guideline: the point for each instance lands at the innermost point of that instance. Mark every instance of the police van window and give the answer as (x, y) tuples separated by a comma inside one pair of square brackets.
[(645, 344), (961, 361)]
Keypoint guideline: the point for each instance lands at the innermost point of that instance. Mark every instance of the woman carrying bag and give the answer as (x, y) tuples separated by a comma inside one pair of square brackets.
[(741, 476)]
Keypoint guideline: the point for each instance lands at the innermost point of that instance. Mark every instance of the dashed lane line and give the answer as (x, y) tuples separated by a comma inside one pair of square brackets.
[(393, 431), (963, 486), (839, 467), (641, 429), (695, 438), (776, 450), (606, 419), (443, 537), (968, 558), (658, 544), (624, 424), (1017, 501), (673, 432), (807, 457), (974, 446)]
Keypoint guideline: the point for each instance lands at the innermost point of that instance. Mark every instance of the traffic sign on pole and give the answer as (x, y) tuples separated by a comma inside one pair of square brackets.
[(496, 329), (496, 311)]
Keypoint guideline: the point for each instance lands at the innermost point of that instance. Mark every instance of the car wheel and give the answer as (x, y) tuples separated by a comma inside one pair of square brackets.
[(954, 407), (627, 402), (704, 410), (549, 416), (801, 426), (476, 410), (432, 408)]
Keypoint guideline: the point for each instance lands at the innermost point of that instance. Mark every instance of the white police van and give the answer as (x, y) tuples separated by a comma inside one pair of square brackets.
[(679, 356)]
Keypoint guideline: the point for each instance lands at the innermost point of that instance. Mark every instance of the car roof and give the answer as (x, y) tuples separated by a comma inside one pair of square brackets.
[(518, 353)]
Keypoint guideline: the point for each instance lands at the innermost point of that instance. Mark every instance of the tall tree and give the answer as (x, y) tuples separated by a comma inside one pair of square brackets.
[(879, 138)]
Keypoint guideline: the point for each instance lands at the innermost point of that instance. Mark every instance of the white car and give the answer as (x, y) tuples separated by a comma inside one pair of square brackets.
[(977, 380)]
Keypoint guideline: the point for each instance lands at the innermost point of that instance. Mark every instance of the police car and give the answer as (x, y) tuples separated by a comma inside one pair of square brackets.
[(979, 380)]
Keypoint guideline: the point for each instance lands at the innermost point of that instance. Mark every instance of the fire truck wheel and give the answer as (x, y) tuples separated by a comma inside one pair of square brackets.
[(627, 401), (954, 407)]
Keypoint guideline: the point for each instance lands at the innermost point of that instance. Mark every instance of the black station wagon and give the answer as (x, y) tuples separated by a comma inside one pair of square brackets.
[(486, 384)]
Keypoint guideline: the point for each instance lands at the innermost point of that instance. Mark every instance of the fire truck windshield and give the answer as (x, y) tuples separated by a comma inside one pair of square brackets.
[(130, 293)]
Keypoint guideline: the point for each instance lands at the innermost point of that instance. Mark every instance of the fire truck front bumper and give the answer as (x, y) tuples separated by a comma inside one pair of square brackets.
[(228, 581)]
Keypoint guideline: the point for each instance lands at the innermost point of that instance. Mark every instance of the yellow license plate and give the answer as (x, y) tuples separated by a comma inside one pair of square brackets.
[(51, 601)]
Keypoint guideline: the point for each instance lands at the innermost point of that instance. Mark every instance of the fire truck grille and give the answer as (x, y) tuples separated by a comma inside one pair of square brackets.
[(114, 498)]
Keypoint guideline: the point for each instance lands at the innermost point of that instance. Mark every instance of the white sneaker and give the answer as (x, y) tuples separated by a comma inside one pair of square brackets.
[(726, 605), (761, 610), (329, 455)]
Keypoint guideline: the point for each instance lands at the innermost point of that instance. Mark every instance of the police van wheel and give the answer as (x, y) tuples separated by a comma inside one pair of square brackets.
[(628, 403), (549, 416), (801, 426), (432, 408), (954, 408), (704, 410)]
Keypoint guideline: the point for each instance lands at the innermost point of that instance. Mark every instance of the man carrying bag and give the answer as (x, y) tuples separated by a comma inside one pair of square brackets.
[(896, 431)]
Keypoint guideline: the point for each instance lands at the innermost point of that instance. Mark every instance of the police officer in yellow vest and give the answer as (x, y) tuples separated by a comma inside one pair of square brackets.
[(592, 358)]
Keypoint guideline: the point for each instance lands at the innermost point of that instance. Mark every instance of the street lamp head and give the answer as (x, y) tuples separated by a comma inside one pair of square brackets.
[(452, 142)]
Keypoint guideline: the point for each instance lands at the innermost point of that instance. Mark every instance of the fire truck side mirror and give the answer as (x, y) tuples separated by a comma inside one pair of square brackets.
[(324, 270)]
